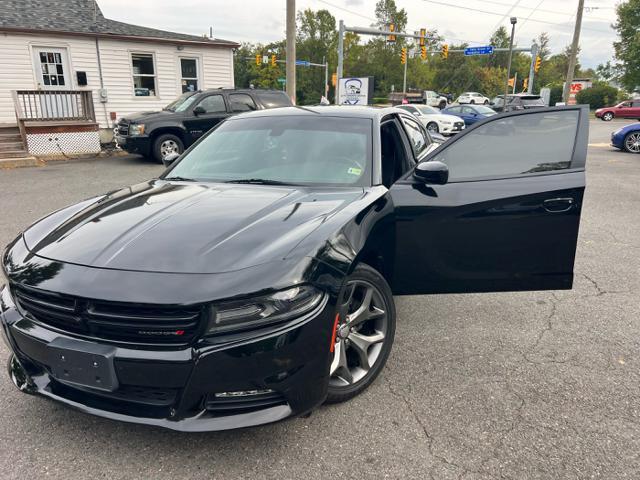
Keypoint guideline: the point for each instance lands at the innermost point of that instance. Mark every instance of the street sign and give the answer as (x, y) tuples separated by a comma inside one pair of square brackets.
[(304, 63), (486, 50), (282, 80)]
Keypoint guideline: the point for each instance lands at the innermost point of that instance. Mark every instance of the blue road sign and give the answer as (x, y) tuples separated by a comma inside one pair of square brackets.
[(304, 63), (486, 50)]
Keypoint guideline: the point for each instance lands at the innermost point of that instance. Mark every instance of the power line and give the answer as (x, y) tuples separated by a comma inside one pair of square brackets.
[(555, 12)]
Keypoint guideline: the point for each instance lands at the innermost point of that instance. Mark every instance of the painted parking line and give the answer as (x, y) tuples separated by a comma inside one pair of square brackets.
[(600, 145)]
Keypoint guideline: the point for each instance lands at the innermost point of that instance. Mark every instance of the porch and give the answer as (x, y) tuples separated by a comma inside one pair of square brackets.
[(55, 123)]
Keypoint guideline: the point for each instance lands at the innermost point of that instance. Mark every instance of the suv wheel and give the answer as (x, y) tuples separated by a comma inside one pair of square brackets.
[(486, 102), (472, 102), (364, 334), (166, 144), (607, 117)]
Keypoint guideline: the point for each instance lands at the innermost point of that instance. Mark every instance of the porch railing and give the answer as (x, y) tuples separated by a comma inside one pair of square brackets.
[(48, 105)]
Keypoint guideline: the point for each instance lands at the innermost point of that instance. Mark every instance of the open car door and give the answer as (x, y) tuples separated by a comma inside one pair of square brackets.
[(507, 218)]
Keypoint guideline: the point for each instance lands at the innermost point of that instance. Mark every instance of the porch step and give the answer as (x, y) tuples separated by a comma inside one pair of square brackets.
[(26, 161), (14, 154), (10, 137), (10, 130), (10, 145)]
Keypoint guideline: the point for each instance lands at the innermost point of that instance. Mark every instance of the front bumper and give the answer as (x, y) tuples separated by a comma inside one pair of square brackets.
[(134, 144), (175, 388)]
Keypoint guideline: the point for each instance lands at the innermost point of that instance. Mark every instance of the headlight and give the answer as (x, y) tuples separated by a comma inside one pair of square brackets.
[(260, 311), (136, 129)]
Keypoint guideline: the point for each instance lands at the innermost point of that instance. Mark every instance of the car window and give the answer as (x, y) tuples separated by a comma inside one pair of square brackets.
[(274, 99), (408, 108), (626, 104), (417, 136), (512, 146), (468, 110), (241, 102), (636, 103), (213, 104), (454, 109)]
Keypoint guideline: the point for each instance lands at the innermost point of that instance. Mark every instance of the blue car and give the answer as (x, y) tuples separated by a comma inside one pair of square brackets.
[(470, 113), (627, 138)]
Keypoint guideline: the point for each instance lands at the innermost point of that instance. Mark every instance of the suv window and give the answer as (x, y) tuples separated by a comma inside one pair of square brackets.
[(417, 136), (213, 104), (273, 99), (535, 142), (241, 102)]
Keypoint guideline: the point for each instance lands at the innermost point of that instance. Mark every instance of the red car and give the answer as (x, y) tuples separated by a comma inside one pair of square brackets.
[(626, 109)]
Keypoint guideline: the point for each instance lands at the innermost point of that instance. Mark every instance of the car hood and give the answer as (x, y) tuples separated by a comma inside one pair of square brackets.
[(179, 227), (442, 117), (141, 117)]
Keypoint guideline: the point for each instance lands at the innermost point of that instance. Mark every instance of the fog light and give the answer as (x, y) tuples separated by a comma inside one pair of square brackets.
[(242, 393)]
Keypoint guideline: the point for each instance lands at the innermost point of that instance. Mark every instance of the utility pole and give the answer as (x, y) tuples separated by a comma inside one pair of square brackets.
[(341, 30), (291, 50), (532, 67), (574, 53), (514, 20)]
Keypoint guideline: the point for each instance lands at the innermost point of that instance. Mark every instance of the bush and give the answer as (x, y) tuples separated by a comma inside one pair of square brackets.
[(555, 95), (598, 96)]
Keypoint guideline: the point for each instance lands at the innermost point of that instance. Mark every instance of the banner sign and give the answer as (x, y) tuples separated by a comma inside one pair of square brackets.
[(356, 91)]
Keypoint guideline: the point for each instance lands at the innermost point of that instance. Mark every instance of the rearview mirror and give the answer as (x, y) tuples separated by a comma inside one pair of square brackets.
[(169, 158), (433, 172), (199, 110)]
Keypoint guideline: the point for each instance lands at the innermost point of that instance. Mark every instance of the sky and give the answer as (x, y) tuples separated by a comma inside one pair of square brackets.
[(472, 21)]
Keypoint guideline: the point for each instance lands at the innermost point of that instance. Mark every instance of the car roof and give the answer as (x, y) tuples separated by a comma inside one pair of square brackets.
[(241, 90), (345, 111)]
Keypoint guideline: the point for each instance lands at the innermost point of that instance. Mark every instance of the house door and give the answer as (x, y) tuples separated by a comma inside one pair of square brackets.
[(51, 66)]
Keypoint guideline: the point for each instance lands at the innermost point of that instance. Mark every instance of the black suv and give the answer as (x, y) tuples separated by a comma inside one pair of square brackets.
[(190, 116)]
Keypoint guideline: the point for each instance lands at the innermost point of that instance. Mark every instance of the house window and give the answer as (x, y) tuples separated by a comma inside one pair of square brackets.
[(144, 75), (189, 69)]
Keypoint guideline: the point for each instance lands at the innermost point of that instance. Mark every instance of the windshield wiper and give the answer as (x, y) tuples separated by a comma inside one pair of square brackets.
[(258, 181), (180, 179)]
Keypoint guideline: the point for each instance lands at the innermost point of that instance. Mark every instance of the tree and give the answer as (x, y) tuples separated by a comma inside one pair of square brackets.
[(543, 45), (607, 72), (598, 96), (387, 12), (627, 50)]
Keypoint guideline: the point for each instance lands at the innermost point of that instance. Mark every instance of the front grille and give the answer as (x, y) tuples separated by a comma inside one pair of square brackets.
[(458, 125), (123, 129), (147, 324), (154, 397), (235, 405)]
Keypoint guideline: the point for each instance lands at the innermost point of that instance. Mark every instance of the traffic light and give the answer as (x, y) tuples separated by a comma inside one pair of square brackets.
[(391, 38), (525, 83), (258, 59), (423, 52), (445, 51), (512, 81), (423, 33), (273, 60), (334, 79), (536, 67), (403, 55)]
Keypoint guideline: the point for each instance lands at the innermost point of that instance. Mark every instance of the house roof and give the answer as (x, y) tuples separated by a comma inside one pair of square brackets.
[(84, 17)]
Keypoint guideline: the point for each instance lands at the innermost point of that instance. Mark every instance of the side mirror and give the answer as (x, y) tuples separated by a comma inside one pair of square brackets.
[(199, 110), (169, 158), (433, 172)]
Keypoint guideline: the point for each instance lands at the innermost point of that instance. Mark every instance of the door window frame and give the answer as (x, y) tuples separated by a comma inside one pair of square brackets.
[(224, 102), (37, 69), (578, 156), (197, 78)]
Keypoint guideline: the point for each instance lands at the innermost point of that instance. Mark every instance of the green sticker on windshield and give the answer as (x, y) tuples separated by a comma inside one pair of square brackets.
[(354, 171)]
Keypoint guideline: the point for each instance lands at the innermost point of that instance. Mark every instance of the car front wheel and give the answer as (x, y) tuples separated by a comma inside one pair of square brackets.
[(166, 144), (432, 127), (472, 102), (486, 102), (607, 117), (632, 142), (364, 334)]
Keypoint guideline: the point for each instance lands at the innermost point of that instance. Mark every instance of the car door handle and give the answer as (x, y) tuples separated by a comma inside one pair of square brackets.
[(558, 205)]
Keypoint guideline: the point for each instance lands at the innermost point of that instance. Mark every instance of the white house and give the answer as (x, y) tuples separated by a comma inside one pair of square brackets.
[(68, 72)]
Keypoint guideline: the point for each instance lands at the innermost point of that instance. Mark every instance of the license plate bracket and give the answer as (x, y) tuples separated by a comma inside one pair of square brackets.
[(84, 364)]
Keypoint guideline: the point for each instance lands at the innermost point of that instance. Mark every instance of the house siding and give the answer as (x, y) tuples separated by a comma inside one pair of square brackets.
[(215, 70)]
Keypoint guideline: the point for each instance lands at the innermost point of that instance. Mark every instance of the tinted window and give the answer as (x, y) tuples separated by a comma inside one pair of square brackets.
[(512, 146), (417, 136), (213, 104), (454, 109), (408, 108), (293, 149), (241, 102), (274, 99), (468, 110)]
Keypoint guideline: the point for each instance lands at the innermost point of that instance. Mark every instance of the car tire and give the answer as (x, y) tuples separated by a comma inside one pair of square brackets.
[(371, 338), (472, 102), (631, 142), (486, 102), (607, 117), (165, 144), (432, 127), (443, 105)]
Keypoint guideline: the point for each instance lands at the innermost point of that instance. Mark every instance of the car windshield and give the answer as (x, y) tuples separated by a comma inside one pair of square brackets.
[(427, 110), (530, 101), (485, 110), (307, 150), (181, 103)]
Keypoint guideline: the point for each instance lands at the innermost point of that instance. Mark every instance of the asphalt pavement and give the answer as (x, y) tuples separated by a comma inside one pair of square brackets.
[(533, 385)]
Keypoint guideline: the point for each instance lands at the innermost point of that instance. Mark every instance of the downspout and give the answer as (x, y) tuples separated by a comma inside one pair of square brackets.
[(104, 104)]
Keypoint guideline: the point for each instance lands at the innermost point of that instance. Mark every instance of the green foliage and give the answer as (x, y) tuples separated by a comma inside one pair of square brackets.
[(627, 50), (556, 93), (598, 96)]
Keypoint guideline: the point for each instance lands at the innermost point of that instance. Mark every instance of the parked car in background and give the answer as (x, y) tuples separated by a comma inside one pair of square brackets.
[(518, 101), (189, 117), (627, 138), (473, 98), (627, 109), (470, 114), (434, 99), (435, 121)]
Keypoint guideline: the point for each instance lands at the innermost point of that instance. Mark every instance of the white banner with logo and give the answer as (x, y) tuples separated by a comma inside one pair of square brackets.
[(354, 91)]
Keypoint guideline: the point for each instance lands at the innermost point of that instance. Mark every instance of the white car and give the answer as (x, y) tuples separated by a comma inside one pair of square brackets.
[(434, 121), (473, 98)]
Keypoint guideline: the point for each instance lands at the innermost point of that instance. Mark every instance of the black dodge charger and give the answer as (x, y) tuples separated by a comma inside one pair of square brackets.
[(255, 279)]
